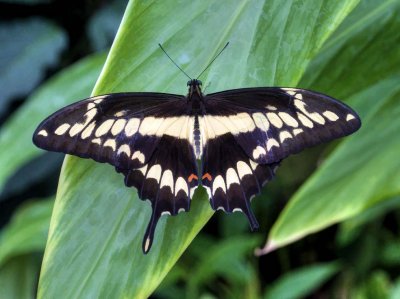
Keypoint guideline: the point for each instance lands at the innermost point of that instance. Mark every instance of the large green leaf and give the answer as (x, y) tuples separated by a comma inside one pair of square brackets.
[(16, 146), (98, 224), (364, 169)]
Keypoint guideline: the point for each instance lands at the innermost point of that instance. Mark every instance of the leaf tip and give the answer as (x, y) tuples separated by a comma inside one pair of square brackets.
[(268, 247)]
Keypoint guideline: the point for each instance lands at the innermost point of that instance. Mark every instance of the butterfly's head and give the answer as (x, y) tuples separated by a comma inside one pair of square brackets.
[(194, 87), (194, 82)]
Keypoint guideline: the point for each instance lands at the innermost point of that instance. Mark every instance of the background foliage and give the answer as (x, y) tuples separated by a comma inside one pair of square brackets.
[(330, 218)]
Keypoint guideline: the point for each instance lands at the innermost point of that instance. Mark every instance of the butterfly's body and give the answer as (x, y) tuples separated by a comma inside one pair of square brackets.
[(155, 140)]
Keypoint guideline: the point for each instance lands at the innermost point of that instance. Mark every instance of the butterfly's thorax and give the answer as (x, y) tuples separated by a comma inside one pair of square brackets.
[(195, 100)]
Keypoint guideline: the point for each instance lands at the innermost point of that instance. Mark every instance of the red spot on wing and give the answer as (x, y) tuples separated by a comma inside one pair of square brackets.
[(207, 176), (192, 177)]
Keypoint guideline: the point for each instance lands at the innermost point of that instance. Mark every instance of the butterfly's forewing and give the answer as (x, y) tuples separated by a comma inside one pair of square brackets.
[(273, 123), (144, 135), (122, 129)]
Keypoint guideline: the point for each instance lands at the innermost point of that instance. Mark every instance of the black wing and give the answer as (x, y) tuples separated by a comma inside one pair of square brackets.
[(273, 123), (247, 132), (144, 135), (122, 129)]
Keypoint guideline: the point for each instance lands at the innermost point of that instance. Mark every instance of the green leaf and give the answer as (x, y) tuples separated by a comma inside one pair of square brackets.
[(16, 146), (18, 277), (98, 224), (376, 286), (27, 231), (225, 259), (301, 282), (364, 169), (22, 59)]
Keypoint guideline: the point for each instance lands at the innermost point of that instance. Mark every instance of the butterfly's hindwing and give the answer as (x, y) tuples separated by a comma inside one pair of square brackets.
[(231, 178), (168, 180)]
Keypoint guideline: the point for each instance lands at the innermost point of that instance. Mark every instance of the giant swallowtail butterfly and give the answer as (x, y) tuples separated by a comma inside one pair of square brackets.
[(155, 139)]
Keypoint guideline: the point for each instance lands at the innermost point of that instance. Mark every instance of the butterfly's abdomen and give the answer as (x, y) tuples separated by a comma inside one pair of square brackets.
[(197, 138)]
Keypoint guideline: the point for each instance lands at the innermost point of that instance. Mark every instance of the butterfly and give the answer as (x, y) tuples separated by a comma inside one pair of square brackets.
[(155, 140)]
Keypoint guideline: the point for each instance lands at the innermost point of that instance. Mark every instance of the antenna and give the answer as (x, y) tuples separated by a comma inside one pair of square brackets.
[(216, 56), (220, 52), (174, 62)]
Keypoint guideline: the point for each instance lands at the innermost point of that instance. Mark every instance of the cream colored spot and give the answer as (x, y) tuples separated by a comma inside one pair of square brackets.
[(297, 131), (284, 135), (143, 169), (181, 184), (118, 126), (275, 120), (299, 96), (221, 208), (290, 91), (154, 172), (243, 122), (62, 129), (167, 180), (231, 177), (271, 142), (110, 143), (330, 115), (208, 190), (165, 213), (261, 121), (192, 190), (175, 127), (288, 119), (253, 164), (78, 127), (120, 113), (104, 128), (43, 133), (132, 126), (99, 100), (88, 131), (219, 183), (150, 125), (138, 155), (215, 126), (258, 151), (349, 117), (272, 108), (304, 120), (181, 210), (237, 210), (243, 169), (146, 245), (315, 116), (91, 106), (97, 141), (124, 148)]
